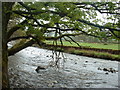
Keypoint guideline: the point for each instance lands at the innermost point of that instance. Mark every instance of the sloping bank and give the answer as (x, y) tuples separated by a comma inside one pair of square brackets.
[(108, 54)]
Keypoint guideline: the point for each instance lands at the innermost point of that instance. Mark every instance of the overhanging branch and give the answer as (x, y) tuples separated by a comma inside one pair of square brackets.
[(96, 25), (20, 37), (62, 15), (14, 50), (27, 37), (15, 28)]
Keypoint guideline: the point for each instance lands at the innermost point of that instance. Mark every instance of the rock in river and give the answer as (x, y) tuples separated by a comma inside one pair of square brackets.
[(40, 67)]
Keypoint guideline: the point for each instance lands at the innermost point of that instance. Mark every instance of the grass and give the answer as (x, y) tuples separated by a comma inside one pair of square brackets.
[(90, 45), (91, 53), (103, 55), (97, 54)]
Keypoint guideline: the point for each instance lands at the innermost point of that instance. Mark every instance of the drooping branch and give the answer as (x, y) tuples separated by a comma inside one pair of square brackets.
[(74, 41), (61, 36), (67, 40), (115, 35)]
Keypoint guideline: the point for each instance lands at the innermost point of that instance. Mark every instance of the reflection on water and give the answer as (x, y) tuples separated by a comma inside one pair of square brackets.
[(78, 71)]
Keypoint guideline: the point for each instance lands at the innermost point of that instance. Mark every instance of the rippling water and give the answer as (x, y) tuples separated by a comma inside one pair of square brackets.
[(77, 71)]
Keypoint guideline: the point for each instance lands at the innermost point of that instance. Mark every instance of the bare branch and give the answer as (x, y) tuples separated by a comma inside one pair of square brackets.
[(67, 40), (61, 36), (74, 41)]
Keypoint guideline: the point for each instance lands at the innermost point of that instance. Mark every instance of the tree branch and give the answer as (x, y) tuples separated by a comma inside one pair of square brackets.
[(61, 14), (80, 5), (96, 8), (96, 25), (67, 40), (20, 37), (27, 37), (15, 28), (25, 6), (14, 50), (83, 21), (61, 36), (65, 14), (74, 41)]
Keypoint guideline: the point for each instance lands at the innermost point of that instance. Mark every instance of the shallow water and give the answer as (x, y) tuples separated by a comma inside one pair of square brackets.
[(76, 72)]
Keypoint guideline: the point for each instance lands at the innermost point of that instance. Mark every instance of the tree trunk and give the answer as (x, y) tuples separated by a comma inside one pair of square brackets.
[(6, 7)]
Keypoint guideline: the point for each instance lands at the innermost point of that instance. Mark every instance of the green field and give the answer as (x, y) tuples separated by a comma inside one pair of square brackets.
[(91, 45)]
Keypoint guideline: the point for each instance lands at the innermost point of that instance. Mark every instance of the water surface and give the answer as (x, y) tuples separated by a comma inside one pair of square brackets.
[(76, 72)]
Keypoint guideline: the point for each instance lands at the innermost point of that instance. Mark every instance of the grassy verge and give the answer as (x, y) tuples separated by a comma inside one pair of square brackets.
[(85, 52), (90, 45), (95, 54)]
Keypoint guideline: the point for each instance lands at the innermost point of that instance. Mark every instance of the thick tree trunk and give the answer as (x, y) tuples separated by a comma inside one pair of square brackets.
[(6, 7)]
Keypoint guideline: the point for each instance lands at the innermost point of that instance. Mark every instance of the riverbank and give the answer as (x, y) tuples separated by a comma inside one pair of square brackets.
[(111, 46), (108, 54)]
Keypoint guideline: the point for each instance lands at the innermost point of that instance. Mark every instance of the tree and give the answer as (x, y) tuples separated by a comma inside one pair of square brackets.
[(61, 19), (5, 18)]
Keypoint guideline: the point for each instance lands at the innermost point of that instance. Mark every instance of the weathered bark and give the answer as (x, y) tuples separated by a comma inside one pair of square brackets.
[(6, 7)]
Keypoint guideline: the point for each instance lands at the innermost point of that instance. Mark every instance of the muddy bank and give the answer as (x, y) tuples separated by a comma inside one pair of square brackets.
[(75, 72)]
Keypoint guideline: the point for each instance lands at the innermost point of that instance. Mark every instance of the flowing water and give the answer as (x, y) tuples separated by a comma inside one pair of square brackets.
[(75, 72)]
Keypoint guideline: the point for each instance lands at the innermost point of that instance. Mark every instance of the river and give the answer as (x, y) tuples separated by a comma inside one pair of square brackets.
[(75, 72)]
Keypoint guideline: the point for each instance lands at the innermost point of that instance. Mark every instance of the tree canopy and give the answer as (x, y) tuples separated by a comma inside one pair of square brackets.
[(60, 20), (42, 21)]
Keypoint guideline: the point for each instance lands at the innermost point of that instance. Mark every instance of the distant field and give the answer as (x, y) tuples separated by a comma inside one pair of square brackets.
[(92, 45)]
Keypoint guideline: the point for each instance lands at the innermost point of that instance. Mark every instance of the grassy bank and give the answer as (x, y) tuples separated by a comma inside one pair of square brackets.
[(95, 54), (90, 45), (89, 53)]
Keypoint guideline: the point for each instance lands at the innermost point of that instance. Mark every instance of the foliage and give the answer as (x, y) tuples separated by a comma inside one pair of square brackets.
[(61, 20), (55, 21)]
